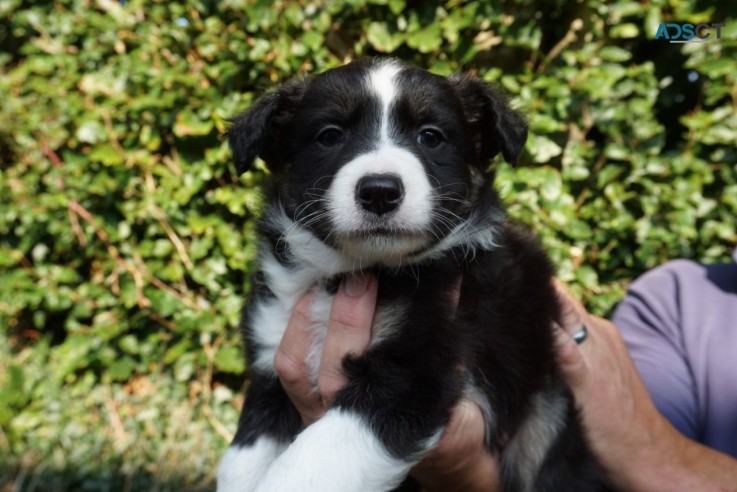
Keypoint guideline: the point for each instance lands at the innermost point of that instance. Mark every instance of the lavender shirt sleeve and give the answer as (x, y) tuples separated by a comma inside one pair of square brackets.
[(680, 324)]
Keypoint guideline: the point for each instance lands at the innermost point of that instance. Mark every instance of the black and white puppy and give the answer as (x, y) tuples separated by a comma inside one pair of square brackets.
[(382, 167)]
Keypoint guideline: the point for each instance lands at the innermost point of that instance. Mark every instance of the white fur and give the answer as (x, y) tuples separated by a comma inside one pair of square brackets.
[(473, 393), (472, 235), (322, 303), (386, 320), (288, 284), (381, 80), (242, 468), (338, 453), (268, 324), (314, 258), (270, 317), (411, 220), (528, 447)]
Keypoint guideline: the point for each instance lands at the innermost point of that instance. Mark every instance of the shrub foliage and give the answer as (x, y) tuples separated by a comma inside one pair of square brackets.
[(126, 239)]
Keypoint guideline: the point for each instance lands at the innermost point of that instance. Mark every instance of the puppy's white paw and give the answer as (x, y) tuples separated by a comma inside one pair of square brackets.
[(338, 453), (242, 468)]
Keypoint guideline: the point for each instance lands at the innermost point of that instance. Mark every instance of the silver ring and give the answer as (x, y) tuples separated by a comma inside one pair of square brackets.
[(581, 334)]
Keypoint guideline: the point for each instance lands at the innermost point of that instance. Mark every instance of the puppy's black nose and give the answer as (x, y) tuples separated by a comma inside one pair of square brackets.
[(380, 193)]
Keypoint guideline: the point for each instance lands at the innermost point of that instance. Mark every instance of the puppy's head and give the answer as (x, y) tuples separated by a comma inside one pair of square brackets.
[(378, 159)]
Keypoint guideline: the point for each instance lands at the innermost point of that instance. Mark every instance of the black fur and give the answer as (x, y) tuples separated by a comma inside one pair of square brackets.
[(499, 336)]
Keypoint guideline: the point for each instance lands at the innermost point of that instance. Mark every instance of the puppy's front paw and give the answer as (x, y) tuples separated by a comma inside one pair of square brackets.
[(338, 453), (243, 467)]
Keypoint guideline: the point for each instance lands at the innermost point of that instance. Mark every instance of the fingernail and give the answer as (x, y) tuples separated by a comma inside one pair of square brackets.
[(355, 286)]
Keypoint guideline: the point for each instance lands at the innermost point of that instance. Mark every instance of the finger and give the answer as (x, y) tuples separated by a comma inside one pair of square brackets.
[(571, 311), (574, 316), (290, 362), (568, 353), (466, 431), (461, 460), (349, 330)]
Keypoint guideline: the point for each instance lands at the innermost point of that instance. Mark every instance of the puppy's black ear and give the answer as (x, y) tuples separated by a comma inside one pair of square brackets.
[(249, 134), (256, 132), (499, 128)]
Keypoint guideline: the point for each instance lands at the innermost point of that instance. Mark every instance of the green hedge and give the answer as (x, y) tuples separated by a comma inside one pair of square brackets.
[(126, 239)]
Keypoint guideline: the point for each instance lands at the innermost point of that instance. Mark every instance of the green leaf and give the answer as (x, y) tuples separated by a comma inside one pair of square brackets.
[(230, 359), (427, 39), (543, 149), (106, 154), (587, 276), (121, 369), (187, 124), (381, 39), (614, 54), (627, 30), (91, 132)]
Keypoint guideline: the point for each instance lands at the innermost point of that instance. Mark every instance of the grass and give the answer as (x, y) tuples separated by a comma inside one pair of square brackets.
[(154, 432)]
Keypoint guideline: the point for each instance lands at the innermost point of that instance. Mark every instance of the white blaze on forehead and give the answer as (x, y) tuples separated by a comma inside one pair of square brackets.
[(382, 82)]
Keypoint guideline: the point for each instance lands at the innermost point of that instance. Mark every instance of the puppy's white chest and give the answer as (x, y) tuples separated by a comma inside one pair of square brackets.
[(320, 310), (271, 315), (387, 318)]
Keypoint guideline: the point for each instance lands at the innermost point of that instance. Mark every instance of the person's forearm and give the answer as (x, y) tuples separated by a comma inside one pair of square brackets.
[(678, 463), (637, 446)]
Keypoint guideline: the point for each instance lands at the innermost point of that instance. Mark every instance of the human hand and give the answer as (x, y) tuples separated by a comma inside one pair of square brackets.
[(460, 461), (638, 448), (348, 332), (618, 414)]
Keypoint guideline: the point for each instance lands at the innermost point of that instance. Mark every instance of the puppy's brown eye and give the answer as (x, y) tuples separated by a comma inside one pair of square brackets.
[(330, 137), (429, 137)]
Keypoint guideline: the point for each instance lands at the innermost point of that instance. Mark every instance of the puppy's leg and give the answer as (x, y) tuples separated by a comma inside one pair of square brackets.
[(242, 467), (267, 424), (388, 417), (338, 453), (548, 452)]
